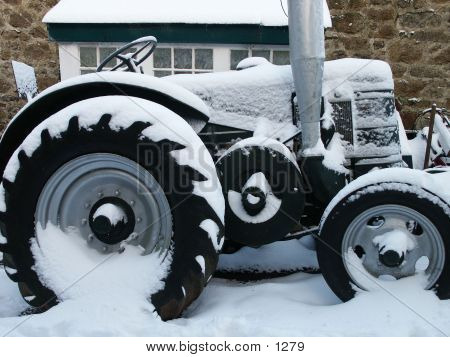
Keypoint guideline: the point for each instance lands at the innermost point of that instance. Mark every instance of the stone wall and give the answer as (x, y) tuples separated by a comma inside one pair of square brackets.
[(412, 35), (24, 38)]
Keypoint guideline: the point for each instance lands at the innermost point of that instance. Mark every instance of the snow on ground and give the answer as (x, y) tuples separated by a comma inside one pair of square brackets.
[(275, 257), (110, 301)]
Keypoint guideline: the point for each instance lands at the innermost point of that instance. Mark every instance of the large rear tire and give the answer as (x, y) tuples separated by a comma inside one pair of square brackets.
[(87, 157)]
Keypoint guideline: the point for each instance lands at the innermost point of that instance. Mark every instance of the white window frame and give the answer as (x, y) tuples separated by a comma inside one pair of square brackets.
[(69, 55), (251, 48), (172, 48)]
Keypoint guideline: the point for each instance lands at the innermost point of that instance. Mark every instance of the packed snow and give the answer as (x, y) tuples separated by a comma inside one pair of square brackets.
[(136, 79), (25, 80), (421, 183), (251, 62), (262, 141), (106, 295), (263, 93), (251, 12), (242, 99), (213, 230), (277, 257), (333, 155), (397, 240)]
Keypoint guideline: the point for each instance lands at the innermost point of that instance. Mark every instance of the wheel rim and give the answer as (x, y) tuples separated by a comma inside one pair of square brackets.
[(426, 251), (76, 191)]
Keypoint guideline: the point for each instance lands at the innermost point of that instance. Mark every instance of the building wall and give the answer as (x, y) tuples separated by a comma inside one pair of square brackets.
[(24, 38), (412, 35)]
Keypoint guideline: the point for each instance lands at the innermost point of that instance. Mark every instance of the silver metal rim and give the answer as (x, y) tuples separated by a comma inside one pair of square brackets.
[(427, 244), (75, 188)]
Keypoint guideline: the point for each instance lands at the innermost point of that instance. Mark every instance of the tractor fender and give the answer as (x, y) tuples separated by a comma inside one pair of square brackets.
[(55, 98)]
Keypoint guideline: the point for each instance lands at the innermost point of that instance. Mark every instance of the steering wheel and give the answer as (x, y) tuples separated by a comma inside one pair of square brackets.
[(129, 61)]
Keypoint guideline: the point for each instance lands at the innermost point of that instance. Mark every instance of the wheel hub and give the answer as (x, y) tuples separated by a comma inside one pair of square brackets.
[(391, 258), (112, 220), (392, 240), (109, 200)]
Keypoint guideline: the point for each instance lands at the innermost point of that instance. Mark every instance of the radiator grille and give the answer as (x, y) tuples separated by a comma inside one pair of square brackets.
[(342, 116)]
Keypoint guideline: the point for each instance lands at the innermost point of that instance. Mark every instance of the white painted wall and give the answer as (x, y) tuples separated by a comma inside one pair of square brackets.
[(69, 60)]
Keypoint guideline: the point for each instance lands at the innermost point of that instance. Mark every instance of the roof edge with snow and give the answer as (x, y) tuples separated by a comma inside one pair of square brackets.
[(211, 12)]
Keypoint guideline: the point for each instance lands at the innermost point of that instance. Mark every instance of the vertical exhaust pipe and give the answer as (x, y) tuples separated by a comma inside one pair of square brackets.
[(307, 46)]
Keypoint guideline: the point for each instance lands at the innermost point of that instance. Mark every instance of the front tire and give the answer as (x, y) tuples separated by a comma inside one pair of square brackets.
[(385, 230), (121, 141)]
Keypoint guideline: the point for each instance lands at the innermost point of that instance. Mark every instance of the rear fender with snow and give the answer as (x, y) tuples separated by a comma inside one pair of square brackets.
[(177, 99)]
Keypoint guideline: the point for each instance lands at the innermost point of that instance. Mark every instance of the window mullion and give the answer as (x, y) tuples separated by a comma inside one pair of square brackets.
[(172, 53)]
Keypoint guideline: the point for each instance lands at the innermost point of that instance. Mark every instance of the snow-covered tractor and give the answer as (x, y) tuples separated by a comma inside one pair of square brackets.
[(189, 165)]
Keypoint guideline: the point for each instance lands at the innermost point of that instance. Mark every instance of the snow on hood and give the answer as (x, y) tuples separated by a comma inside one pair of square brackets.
[(252, 12), (242, 99), (361, 74)]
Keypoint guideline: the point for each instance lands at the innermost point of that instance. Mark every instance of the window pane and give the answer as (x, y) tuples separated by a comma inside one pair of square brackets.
[(261, 53), (162, 58), (203, 59), (104, 53), (183, 58), (183, 72), (160, 74), (281, 57), (237, 56), (88, 57)]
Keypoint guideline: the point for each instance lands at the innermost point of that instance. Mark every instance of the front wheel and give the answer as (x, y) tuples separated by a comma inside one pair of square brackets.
[(385, 231)]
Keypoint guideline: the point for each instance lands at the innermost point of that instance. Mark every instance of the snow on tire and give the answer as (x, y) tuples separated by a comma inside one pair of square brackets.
[(385, 231), (104, 166)]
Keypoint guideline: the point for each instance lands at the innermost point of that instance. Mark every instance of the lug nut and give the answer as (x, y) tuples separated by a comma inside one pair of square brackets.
[(84, 221), (105, 248), (99, 195), (132, 203), (117, 192), (133, 235), (139, 220), (87, 205), (91, 237)]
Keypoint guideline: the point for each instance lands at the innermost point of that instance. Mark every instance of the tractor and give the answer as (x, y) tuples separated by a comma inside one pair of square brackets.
[(189, 166)]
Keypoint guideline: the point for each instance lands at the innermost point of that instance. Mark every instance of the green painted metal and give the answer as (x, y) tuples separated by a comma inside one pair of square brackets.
[(171, 33)]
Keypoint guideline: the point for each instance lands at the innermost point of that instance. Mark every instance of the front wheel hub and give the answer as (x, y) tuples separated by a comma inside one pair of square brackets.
[(391, 258), (393, 241), (112, 220)]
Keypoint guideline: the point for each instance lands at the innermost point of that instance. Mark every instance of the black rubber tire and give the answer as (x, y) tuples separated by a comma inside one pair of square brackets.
[(17, 223), (329, 242)]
